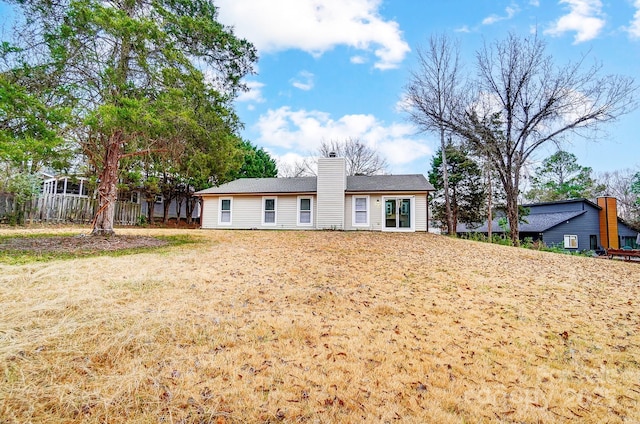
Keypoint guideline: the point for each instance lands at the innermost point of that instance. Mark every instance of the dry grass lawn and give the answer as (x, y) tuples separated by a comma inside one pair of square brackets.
[(321, 327)]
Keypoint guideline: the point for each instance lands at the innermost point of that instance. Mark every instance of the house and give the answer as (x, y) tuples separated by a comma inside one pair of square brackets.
[(577, 224), (72, 198), (332, 200), (65, 185)]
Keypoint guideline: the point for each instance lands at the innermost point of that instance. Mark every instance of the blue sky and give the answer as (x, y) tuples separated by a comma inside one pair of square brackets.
[(333, 69)]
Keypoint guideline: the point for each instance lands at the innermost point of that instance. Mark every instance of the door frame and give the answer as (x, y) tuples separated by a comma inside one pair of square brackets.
[(412, 212)]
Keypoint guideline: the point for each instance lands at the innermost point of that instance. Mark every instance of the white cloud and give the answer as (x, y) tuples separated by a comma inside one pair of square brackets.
[(510, 13), (254, 94), (402, 151), (304, 81), (303, 131), (534, 3), (585, 18), (358, 60), (316, 26), (634, 28), (464, 29)]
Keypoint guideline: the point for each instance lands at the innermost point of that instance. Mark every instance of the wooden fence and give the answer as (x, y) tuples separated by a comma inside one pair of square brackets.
[(58, 208)]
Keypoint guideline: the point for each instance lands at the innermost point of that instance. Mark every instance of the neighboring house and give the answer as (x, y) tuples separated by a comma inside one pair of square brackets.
[(577, 224), (63, 188), (158, 207), (332, 200), (67, 198)]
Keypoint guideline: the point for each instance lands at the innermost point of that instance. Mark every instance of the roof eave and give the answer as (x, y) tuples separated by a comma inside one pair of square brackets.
[(257, 193), (352, 191)]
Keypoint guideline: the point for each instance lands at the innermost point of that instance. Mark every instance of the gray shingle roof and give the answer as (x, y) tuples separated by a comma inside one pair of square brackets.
[(375, 183), (265, 185), (413, 182), (536, 223)]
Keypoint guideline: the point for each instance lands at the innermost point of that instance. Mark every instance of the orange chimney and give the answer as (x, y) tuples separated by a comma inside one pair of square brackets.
[(608, 222)]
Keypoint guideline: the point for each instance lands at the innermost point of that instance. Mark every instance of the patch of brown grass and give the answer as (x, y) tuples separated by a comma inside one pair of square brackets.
[(321, 327), (78, 243)]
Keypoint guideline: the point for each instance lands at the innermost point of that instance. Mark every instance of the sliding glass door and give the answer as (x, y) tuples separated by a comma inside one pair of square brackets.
[(398, 214)]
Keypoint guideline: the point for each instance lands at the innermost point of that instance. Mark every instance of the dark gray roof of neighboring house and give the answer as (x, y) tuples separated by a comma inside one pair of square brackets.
[(536, 223), (375, 183)]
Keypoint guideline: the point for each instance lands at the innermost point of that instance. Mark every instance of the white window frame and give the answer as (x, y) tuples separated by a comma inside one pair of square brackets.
[(568, 238), (220, 200), (305, 224), (275, 211), (353, 211)]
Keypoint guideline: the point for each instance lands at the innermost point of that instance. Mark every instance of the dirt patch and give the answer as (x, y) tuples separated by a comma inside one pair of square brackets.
[(79, 243)]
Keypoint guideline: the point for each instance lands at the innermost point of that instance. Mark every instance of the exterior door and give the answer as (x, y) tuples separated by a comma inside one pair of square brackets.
[(398, 214)]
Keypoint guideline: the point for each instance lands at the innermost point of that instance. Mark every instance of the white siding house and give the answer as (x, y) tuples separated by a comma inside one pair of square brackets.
[(332, 200)]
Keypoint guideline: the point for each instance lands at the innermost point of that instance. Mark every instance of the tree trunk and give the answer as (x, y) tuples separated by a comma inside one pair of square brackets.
[(445, 182), (179, 200), (453, 205), (190, 206), (151, 206), (489, 205), (166, 203), (108, 188), (512, 217)]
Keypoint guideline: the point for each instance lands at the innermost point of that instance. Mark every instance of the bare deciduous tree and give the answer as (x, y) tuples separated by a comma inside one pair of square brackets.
[(618, 184), (523, 101), (361, 159), (300, 168), (432, 93)]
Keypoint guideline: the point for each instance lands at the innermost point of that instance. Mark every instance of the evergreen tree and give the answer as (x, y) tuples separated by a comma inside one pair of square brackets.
[(256, 163), (560, 177), (137, 72), (466, 190)]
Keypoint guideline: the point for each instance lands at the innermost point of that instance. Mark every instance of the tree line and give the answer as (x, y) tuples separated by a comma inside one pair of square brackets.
[(475, 192), (136, 94)]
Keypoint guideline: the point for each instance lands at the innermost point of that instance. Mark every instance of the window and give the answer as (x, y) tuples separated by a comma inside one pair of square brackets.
[(305, 211), (224, 218), (269, 210), (73, 187), (593, 242), (628, 242), (570, 241), (360, 211)]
